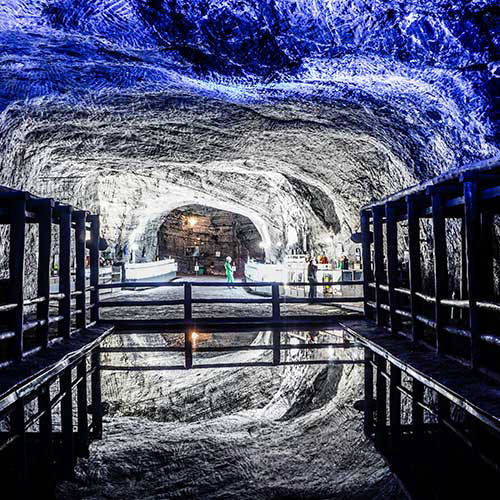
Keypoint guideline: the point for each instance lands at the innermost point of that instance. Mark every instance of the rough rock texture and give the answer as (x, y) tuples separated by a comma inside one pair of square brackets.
[(293, 113)]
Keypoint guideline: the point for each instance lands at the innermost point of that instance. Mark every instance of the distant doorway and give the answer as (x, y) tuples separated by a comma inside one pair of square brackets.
[(201, 237)]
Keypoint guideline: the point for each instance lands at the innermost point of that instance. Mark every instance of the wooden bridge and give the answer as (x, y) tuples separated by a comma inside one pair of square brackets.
[(429, 335)]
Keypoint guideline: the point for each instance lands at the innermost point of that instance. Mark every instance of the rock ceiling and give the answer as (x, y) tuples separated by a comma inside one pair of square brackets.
[(293, 113)]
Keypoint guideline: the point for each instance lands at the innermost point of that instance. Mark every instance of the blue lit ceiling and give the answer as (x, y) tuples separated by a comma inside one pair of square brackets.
[(307, 94)]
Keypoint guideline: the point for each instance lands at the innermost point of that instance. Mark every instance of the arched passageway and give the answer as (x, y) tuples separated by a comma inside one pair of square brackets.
[(199, 239)]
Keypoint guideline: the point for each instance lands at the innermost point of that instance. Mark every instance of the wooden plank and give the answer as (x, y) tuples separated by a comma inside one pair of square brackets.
[(80, 218), (381, 402), (395, 407), (68, 453), (46, 445), (83, 423), (366, 260), (19, 430), (415, 271), (188, 348), (44, 250), (276, 346), (94, 266), (472, 238), (276, 302), (378, 246), (188, 305), (440, 269), (16, 271), (417, 411), (368, 389), (64, 326), (392, 265), (95, 381)]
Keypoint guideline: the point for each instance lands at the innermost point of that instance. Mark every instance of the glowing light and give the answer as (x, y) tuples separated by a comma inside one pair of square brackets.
[(194, 336), (192, 221), (262, 245)]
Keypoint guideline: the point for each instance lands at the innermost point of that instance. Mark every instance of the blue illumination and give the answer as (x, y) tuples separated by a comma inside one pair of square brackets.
[(233, 47)]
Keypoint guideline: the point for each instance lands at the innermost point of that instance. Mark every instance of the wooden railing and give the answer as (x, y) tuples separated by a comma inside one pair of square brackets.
[(188, 301), (22, 333), (46, 426), (438, 319)]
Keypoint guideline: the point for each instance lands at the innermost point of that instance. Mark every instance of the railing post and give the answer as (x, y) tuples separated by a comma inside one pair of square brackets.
[(392, 264), (80, 237), (381, 390), (188, 334), (368, 407), (44, 249), (367, 268), (188, 348), (95, 381), (417, 411), (94, 266), (16, 270), (83, 423), (440, 268), (68, 451), (46, 445), (64, 326), (19, 430), (395, 407), (378, 246), (472, 236), (275, 288), (414, 262)]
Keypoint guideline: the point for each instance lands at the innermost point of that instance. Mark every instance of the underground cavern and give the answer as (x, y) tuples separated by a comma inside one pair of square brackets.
[(249, 249)]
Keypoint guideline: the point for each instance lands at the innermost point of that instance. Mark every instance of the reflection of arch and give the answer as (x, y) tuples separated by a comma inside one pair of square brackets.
[(155, 213)]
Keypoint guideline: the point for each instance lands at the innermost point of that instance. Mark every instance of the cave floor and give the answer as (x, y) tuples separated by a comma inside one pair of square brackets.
[(291, 432)]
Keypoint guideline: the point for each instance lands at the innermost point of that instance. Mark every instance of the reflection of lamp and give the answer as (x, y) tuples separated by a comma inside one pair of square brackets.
[(192, 221)]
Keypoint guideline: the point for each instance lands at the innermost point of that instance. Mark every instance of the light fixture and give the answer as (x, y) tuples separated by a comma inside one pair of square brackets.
[(262, 245), (192, 221)]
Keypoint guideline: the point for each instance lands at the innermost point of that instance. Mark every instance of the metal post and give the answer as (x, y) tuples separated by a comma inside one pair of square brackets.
[(44, 248), (16, 270), (94, 267), (80, 218), (64, 326)]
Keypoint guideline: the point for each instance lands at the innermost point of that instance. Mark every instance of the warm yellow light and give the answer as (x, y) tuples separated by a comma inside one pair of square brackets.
[(192, 221), (194, 336)]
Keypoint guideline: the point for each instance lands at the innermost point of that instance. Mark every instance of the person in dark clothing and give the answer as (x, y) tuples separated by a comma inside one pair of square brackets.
[(312, 269)]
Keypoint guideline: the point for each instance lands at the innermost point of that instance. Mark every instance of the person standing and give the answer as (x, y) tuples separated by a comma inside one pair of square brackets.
[(312, 269), (229, 271)]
